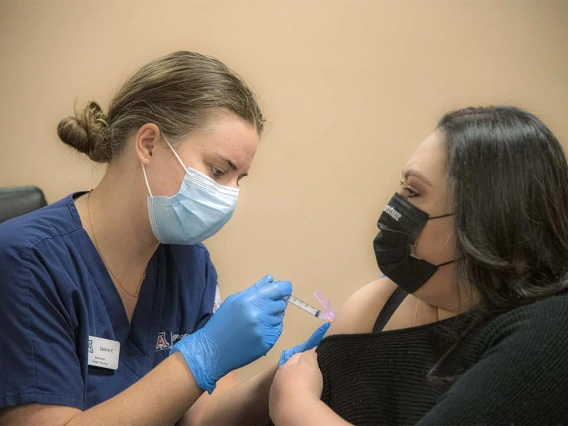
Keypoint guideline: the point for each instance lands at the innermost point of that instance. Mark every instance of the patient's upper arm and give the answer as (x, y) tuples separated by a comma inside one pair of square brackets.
[(360, 312)]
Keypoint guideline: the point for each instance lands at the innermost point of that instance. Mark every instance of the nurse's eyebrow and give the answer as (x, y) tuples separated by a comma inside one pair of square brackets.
[(416, 173), (226, 160)]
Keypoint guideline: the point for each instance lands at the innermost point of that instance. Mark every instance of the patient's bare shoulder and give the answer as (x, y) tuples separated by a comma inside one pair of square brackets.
[(360, 312)]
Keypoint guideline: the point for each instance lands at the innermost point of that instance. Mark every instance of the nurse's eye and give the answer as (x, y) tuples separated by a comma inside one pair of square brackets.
[(408, 190), (216, 172)]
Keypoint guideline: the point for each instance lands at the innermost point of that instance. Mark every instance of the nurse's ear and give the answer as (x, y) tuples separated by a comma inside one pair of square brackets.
[(145, 141)]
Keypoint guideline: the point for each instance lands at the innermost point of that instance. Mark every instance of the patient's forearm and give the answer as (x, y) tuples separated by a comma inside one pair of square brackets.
[(245, 404)]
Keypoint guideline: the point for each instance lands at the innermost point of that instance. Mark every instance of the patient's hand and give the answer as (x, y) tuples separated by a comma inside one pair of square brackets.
[(297, 382)]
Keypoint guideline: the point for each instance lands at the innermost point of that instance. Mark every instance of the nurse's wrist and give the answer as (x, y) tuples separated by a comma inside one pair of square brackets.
[(199, 374), (196, 355)]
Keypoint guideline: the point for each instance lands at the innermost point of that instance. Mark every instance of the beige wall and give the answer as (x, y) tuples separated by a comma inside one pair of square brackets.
[(349, 87)]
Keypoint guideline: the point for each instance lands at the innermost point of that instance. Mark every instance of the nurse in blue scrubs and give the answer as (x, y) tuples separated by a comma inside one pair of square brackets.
[(106, 296)]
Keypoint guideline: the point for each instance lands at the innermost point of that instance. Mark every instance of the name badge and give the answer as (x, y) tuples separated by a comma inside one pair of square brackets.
[(103, 353)]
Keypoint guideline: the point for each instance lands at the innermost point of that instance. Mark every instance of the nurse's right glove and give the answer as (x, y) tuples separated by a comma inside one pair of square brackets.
[(244, 328)]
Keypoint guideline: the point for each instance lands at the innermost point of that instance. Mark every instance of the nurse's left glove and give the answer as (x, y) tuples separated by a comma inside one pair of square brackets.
[(311, 343), (244, 328)]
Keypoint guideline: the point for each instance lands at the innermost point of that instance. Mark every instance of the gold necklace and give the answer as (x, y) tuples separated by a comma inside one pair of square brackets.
[(103, 259)]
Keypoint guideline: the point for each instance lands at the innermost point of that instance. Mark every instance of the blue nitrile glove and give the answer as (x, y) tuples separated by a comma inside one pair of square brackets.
[(244, 328), (311, 343)]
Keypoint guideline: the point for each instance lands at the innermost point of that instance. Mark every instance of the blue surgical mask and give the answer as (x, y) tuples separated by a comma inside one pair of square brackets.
[(199, 209)]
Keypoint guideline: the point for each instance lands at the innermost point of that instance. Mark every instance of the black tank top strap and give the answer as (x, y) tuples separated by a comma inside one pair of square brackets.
[(388, 310)]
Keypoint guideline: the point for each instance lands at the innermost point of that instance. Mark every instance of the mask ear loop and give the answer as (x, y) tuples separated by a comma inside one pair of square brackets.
[(146, 179), (175, 153), (441, 216), (419, 258), (447, 263), (144, 168)]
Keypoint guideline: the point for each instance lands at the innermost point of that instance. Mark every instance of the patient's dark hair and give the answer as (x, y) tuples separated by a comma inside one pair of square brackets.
[(509, 179)]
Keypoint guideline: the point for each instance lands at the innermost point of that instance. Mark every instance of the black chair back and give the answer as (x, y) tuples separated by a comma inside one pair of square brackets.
[(19, 200)]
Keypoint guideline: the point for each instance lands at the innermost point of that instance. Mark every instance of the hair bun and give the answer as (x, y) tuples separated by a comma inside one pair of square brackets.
[(86, 132)]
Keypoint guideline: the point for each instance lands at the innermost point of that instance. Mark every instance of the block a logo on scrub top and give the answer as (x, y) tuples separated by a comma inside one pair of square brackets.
[(162, 344)]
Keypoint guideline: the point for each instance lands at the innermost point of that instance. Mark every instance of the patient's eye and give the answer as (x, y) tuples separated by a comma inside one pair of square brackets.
[(409, 191)]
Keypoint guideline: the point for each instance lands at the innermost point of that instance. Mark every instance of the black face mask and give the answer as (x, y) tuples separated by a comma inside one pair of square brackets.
[(400, 224)]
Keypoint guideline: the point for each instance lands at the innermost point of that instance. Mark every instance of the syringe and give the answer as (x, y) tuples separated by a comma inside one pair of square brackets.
[(309, 309)]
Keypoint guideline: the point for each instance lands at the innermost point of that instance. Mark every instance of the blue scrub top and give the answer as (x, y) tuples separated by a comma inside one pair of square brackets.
[(55, 292)]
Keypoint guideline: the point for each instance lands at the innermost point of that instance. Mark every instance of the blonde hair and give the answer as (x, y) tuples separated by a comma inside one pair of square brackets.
[(178, 92)]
